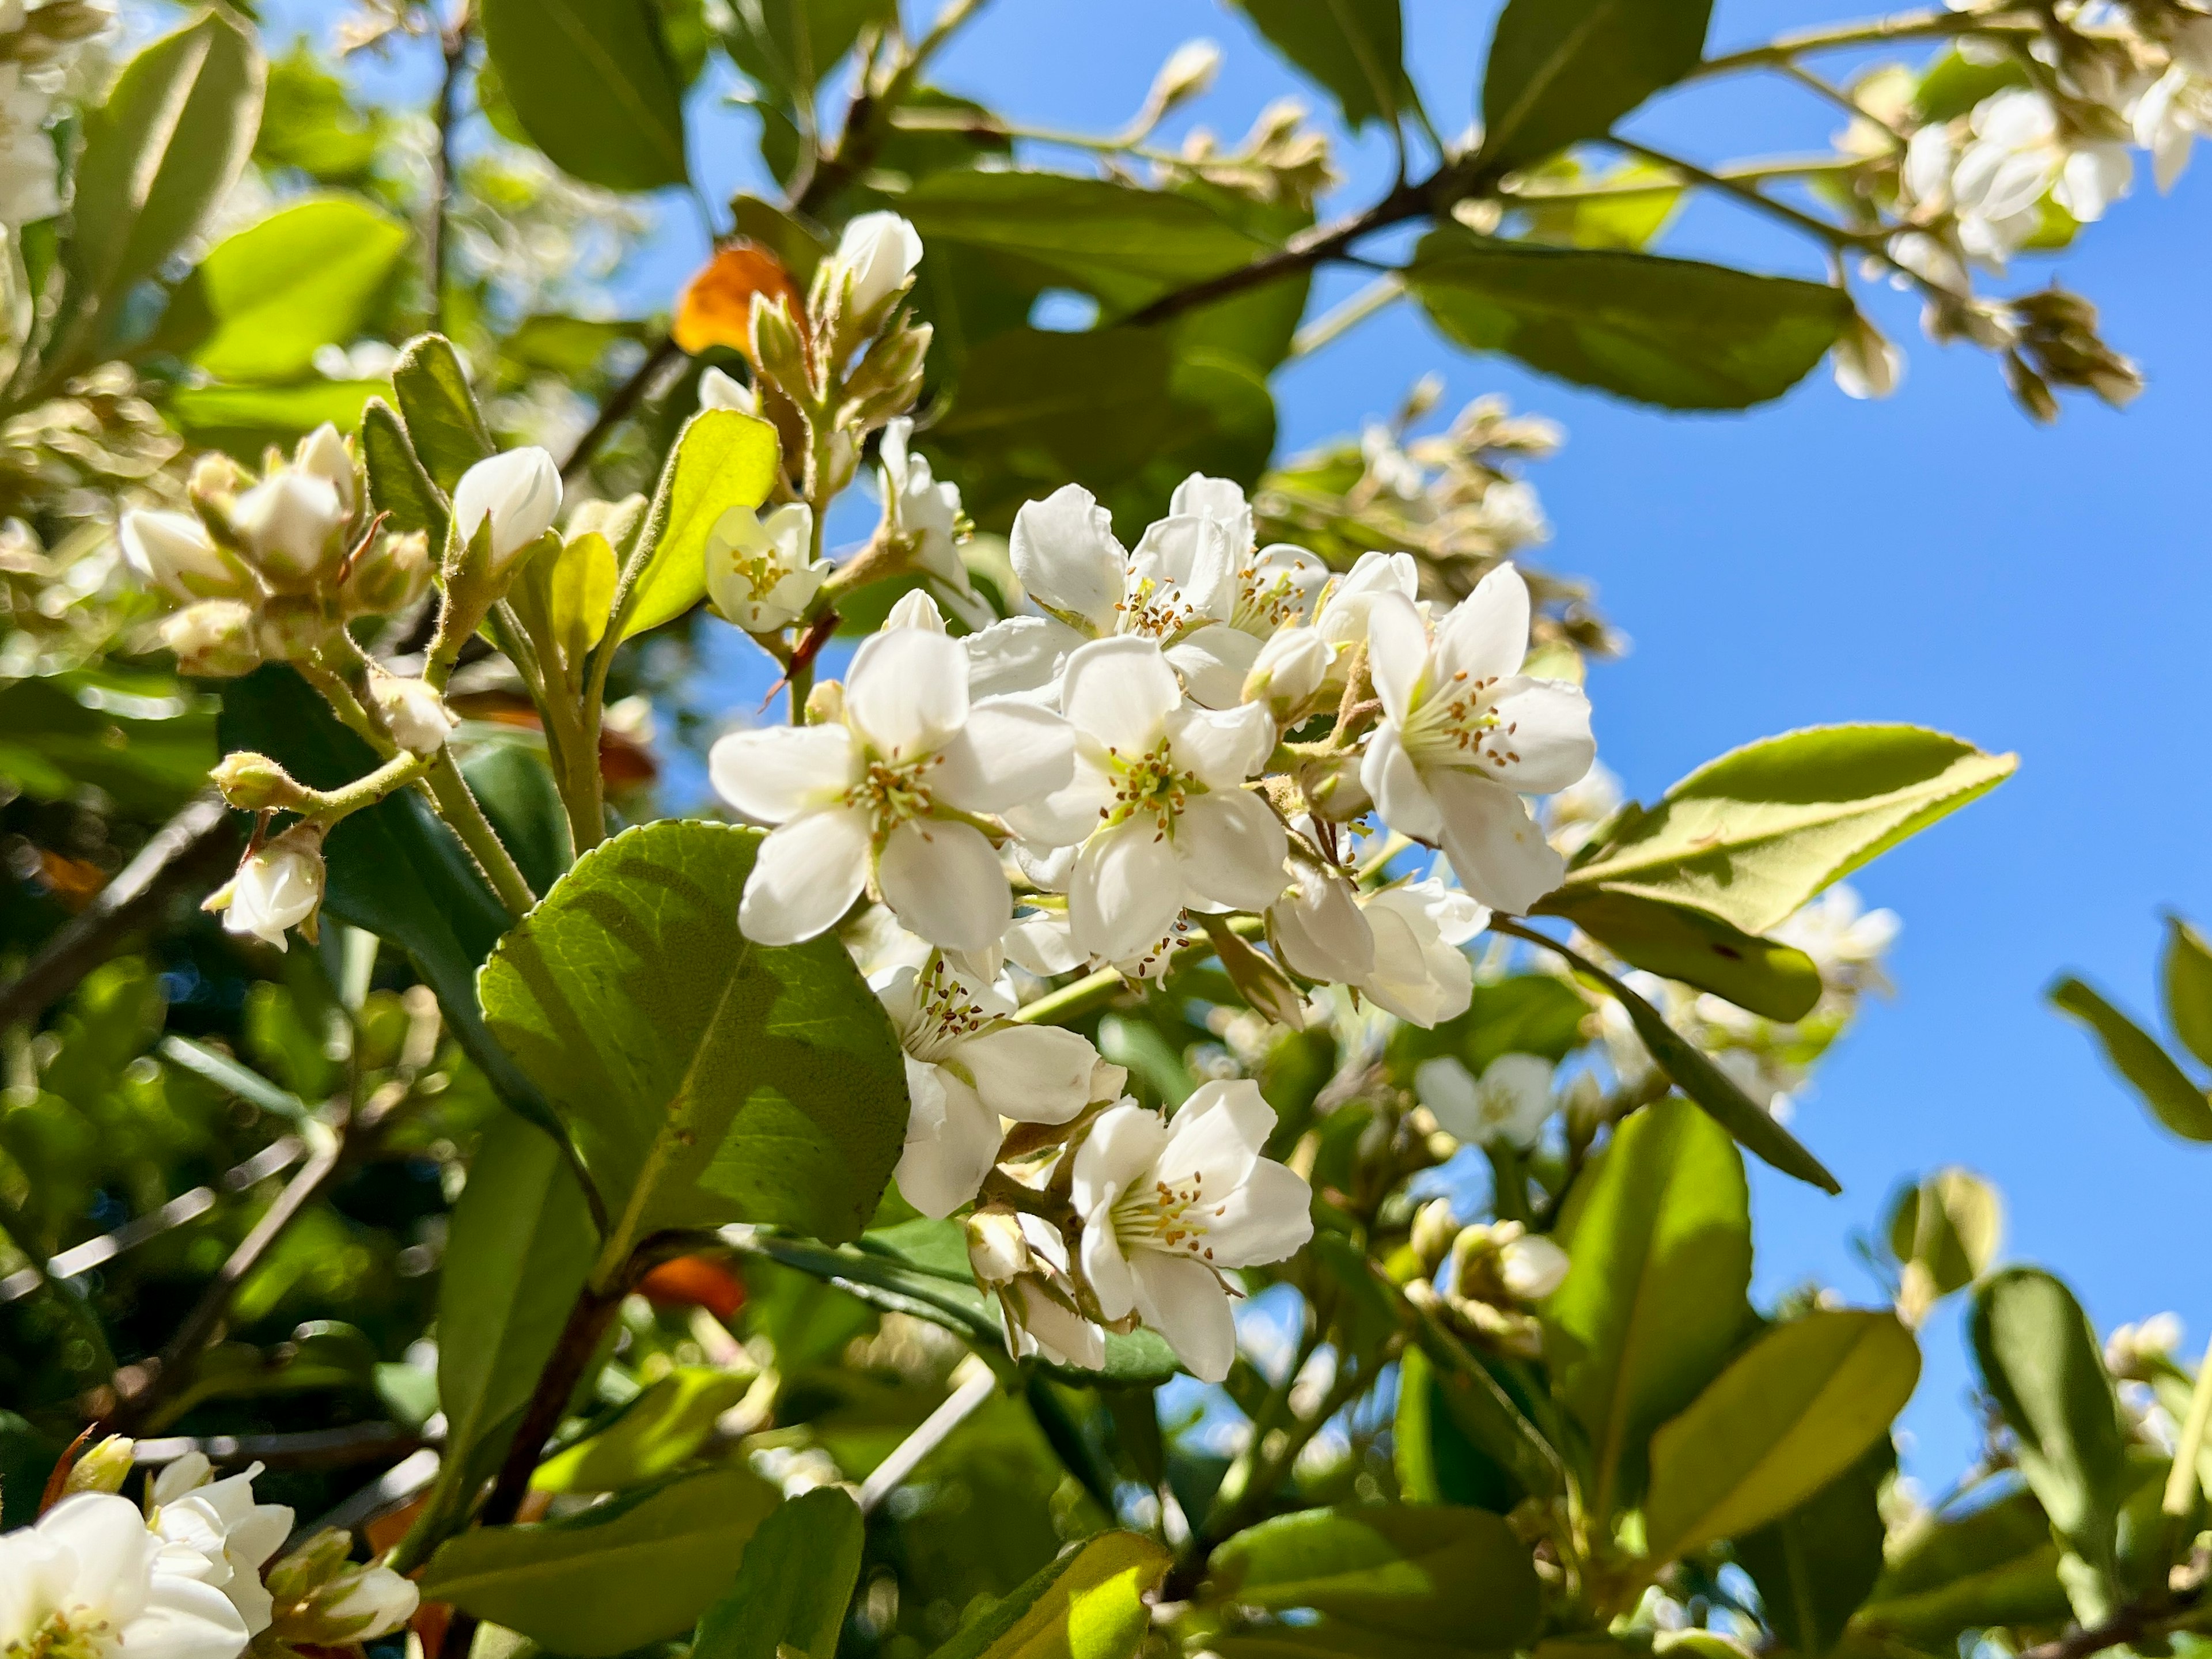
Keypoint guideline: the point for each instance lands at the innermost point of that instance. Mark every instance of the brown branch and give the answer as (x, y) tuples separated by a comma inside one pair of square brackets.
[(619, 403), (195, 846), (594, 1311), (454, 42), (2132, 1623), (310, 1449)]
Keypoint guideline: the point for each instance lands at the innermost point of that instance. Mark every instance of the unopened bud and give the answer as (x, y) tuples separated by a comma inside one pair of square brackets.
[(213, 638), (1865, 363), (1532, 1268), (1334, 790), (308, 1569), (1187, 73), (996, 1249), (415, 715), (278, 888), (779, 354), (887, 381), (1434, 1229), (875, 257), (293, 525), (512, 498), (718, 390), (825, 704), (103, 1469), (173, 551), (389, 576), (359, 1607), (293, 628), (255, 783)]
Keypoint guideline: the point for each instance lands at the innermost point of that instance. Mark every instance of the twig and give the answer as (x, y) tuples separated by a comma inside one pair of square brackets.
[(313, 1448), (1880, 30), (195, 845), (594, 1311), (2131, 1624), (933, 1432), (453, 41)]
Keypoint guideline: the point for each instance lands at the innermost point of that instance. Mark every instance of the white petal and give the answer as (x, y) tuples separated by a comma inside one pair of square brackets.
[(806, 876), (1520, 1088), (1065, 816), (1397, 651), (1040, 942), (1497, 852), (1486, 635), (1447, 1088), (113, 1550), (907, 694), (1232, 848), (780, 771), (1192, 553), (1063, 1337), (1119, 691), (1032, 1073), (1120, 1149), (1213, 661), (1063, 549), (944, 881), (1105, 1269), (1387, 774), (1019, 654), (1215, 1137), (1182, 1300), (184, 1620), (1222, 748), (952, 1139), (1268, 1218), (1542, 737), (1318, 927), (1125, 891), (1007, 753), (1417, 975)]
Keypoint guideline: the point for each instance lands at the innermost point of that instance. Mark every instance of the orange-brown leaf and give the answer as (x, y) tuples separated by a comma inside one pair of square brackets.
[(716, 307)]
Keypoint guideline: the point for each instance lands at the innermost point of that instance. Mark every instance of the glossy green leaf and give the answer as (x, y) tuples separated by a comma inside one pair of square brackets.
[(640, 1567), (398, 485), (1088, 1604), (1673, 332), (1816, 1565), (1944, 1234), (243, 420), (2040, 1361), (2136, 1056), (1996, 1563), (591, 82), (1753, 835), (787, 48), (1658, 1230), (1563, 70), (1353, 47), (1678, 942), (1790, 1413), (655, 1434), (723, 460), (262, 302), (440, 412), (1436, 1461), (1439, 1574), (1485, 1414), (2186, 977), (793, 1584), (1625, 207), (159, 154), (707, 1079), (309, 122)]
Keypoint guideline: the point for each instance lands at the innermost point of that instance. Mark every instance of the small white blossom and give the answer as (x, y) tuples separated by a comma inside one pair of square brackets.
[(1420, 974), (720, 390), (89, 1581), (1508, 1107), (760, 573), (876, 254), (173, 551), (377, 1602), (927, 512), (415, 715), (280, 887), (291, 523), (518, 494), (1531, 1266), (221, 1524)]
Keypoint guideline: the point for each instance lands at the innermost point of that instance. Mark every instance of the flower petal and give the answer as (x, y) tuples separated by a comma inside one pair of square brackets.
[(1032, 1073), (1213, 661), (1486, 635), (907, 694), (1121, 1148), (1119, 691), (805, 877), (952, 1140), (1231, 850), (1397, 651), (1019, 656), (1181, 1300), (1224, 748), (1008, 753), (1125, 891), (1105, 1269), (1063, 549), (1542, 740), (1268, 1218), (1417, 977), (1215, 1137), (944, 881), (1065, 816), (1445, 1085), (1500, 854), (1387, 774), (780, 771), (184, 1619)]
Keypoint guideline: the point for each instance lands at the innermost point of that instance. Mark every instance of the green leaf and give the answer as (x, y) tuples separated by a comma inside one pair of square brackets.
[(1088, 1604), (1616, 214), (591, 84), (572, 347), (1944, 1233), (1993, 1564), (243, 420), (793, 1584), (2187, 974), (707, 1079), (1436, 1461), (1814, 1565), (787, 48), (1563, 70), (2040, 1360), (161, 154), (1677, 942), (1658, 1230), (1034, 409), (1798, 1407), (640, 1567), (398, 485), (1673, 333), (309, 122), (440, 412), (1753, 835), (724, 458), (1123, 243), (140, 738), (656, 1434), (1455, 1577), (1485, 1414), (1353, 47), (2136, 1054), (263, 302)]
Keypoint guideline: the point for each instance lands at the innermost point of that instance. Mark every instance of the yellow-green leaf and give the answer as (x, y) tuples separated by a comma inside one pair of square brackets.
[(724, 458), (657, 1433), (1088, 1604)]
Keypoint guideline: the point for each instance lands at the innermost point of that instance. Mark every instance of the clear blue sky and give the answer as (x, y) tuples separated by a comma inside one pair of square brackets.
[(1935, 558)]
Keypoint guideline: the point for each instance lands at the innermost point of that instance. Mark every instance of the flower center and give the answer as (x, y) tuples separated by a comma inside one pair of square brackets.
[(1456, 726), (62, 1637), (893, 791), (1149, 785), (1265, 601), (945, 1014), (1156, 610), (1167, 1216), (762, 571)]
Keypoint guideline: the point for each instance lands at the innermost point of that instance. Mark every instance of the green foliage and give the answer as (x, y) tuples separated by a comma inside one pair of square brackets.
[(1088, 1604), (443, 424), (1815, 1566), (144, 738), (592, 86), (792, 1585), (1995, 1563), (722, 461), (1353, 47), (1563, 70), (2186, 977), (1680, 942), (656, 1434), (2174, 1099), (787, 48)]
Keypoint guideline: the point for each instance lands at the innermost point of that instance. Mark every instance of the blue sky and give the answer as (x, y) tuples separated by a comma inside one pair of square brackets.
[(1934, 558)]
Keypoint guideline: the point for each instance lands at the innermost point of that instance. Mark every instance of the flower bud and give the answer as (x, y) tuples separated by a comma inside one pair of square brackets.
[(1866, 365), (779, 354), (213, 638), (516, 494), (874, 258), (103, 1469), (293, 525), (1317, 925), (720, 391), (415, 715), (174, 551), (826, 703), (292, 628), (1434, 1229), (1291, 667), (361, 1606), (323, 454), (1187, 73), (996, 1249), (1531, 1267), (278, 888), (1266, 988), (759, 575), (389, 576), (887, 381), (1333, 788), (916, 609), (301, 1575), (255, 783), (1039, 1321)]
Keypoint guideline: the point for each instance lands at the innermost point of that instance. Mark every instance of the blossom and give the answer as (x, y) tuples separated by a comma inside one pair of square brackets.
[(1845, 940), (759, 572), (1531, 1266), (878, 791), (1157, 800), (517, 494), (1465, 732), (88, 1581), (30, 186), (174, 551), (370, 1601), (968, 1063), (213, 638), (1420, 974), (2018, 155), (1317, 925), (323, 454), (279, 887), (720, 390), (290, 523), (1508, 1107), (1346, 602), (925, 511), (219, 1525), (1022, 1260), (1865, 363), (414, 713), (875, 256), (1167, 1206), (1291, 667)]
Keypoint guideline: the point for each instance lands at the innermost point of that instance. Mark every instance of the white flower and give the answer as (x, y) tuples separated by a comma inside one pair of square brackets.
[(924, 510), (378, 1599), (29, 170), (1531, 1266), (968, 1063), (218, 1523), (174, 551), (1290, 669), (1317, 925), (915, 609), (2130, 1348), (518, 494), (1865, 363), (1187, 73), (280, 887), (415, 715), (2018, 156), (759, 572), (1157, 799), (87, 1583), (720, 391), (214, 637), (1167, 1208), (1573, 815), (1420, 974), (290, 523), (1845, 940), (1024, 1260), (1465, 732), (323, 454), (877, 791), (1347, 601), (876, 254), (1508, 1107)]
